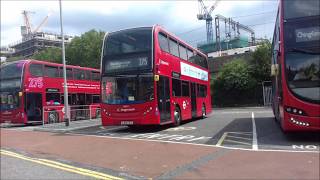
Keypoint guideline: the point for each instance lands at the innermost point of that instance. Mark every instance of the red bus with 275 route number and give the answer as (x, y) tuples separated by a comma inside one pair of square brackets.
[(31, 91), (296, 65), (151, 77)]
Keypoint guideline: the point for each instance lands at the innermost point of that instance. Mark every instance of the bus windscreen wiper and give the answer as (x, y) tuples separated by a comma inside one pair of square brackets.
[(304, 51)]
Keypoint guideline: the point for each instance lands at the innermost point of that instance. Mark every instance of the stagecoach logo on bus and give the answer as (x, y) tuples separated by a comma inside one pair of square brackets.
[(35, 82), (194, 72)]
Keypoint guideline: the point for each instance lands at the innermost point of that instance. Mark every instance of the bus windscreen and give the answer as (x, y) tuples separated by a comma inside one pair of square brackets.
[(128, 50), (298, 8)]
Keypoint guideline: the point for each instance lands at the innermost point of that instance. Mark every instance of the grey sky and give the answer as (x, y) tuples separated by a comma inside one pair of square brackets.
[(179, 17)]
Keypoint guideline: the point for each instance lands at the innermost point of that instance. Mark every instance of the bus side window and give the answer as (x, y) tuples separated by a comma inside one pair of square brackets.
[(202, 90), (183, 52), (69, 73), (51, 71), (88, 75), (163, 42), (79, 74), (95, 98), (176, 87), (95, 76), (36, 69), (52, 98), (191, 56), (185, 88), (173, 45)]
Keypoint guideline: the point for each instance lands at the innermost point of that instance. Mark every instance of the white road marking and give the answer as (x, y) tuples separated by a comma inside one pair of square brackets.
[(254, 134), (194, 144)]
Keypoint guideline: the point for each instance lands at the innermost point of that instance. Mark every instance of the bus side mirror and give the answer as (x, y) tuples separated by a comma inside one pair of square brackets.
[(274, 69)]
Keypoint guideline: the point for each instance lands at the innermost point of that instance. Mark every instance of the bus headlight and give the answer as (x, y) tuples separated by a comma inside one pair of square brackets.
[(296, 111)]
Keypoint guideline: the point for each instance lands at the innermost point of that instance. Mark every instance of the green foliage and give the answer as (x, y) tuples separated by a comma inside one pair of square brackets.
[(234, 84), (235, 75), (53, 54), (261, 62), (86, 49)]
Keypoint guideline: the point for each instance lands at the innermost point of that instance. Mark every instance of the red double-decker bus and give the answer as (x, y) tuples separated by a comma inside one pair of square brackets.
[(296, 65), (151, 77), (27, 86)]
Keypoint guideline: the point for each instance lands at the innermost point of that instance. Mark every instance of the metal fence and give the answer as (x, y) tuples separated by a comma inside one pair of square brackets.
[(55, 114), (267, 93)]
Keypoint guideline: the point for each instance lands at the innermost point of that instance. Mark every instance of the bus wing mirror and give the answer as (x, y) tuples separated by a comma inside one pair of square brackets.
[(274, 69)]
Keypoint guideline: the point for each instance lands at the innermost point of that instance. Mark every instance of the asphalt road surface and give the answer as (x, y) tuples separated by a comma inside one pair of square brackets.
[(243, 128)]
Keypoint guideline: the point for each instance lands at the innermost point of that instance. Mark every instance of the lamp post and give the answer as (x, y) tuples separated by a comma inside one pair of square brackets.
[(65, 86)]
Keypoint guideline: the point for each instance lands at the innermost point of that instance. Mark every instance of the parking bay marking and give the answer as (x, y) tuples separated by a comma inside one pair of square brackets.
[(169, 137)]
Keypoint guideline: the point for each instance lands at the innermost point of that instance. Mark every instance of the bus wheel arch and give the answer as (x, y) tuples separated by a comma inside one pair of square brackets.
[(177, 116), (53, 117)]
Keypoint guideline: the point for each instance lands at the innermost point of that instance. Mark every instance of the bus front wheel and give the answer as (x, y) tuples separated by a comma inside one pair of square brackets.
[(177, 117)]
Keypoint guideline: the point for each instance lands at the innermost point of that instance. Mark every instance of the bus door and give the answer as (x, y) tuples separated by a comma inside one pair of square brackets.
[(164, 99), (193, 100), (33, 106)]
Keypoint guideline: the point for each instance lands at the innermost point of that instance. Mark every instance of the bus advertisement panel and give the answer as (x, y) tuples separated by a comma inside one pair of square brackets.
[(150, 77)]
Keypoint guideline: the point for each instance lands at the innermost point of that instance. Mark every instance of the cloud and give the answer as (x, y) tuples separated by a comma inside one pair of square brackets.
[(81, 16)]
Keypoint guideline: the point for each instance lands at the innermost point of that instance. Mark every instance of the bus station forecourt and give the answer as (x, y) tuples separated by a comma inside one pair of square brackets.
[(146, 114)]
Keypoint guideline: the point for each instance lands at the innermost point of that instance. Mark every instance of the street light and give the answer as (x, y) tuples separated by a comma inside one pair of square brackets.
[(65, 86)]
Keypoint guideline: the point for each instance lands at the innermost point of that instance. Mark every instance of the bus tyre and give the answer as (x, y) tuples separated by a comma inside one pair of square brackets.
[(203, 110), (177, 117), (53, 117)]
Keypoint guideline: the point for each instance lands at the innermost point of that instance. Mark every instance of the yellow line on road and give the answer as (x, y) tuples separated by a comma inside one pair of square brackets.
[(61, 166), (222, 139), (238, 142), (237, 137)]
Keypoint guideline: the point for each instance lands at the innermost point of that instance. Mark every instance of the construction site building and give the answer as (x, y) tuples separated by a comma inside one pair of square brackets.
[(36, 42)]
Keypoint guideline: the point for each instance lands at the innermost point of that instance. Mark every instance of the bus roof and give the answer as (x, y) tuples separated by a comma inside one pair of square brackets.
[(55, 64), (158, 28)]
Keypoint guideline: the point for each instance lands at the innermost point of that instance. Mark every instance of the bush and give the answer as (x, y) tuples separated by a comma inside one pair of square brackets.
[(234, 85)]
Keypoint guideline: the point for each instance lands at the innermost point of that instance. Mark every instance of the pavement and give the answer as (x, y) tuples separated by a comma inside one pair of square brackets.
[(229, 144)]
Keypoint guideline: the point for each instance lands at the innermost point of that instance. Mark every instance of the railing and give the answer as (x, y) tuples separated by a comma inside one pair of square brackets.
[(55, 114)]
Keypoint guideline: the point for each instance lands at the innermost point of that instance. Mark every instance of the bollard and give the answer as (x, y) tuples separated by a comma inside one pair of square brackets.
[(66, 121)]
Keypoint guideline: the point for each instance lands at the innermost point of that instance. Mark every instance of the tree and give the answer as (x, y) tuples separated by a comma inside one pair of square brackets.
[(86, 49), (233, 84), (52, 54), (261, 62)]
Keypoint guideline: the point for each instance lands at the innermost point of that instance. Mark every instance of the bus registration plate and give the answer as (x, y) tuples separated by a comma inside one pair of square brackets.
[(126, 122)]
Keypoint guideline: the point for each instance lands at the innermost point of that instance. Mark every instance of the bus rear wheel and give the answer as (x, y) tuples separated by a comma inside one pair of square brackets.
[(177, 117)]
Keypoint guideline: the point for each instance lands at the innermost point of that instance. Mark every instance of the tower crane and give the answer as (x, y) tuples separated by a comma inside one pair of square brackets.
[(205, 14), (27, 29)]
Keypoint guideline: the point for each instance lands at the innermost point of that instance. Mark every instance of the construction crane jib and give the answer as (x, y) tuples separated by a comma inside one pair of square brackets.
[(26, 29), (205, 14)]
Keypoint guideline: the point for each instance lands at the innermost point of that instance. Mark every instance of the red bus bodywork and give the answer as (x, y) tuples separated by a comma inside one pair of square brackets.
[(294, 112), (161, 110), (36, 92)]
